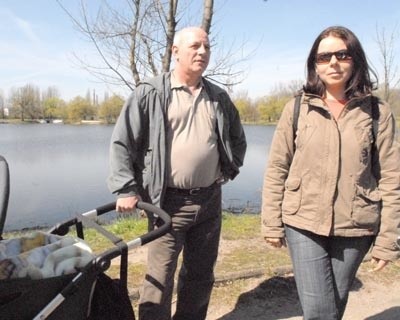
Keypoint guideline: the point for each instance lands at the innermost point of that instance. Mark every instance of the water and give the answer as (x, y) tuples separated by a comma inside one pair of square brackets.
[(57, 171)]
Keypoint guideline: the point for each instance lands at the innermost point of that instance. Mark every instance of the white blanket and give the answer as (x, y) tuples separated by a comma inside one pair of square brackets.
[(42, 255)]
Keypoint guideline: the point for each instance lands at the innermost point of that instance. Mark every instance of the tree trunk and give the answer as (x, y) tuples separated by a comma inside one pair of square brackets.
[(170, 34), (207, 15)]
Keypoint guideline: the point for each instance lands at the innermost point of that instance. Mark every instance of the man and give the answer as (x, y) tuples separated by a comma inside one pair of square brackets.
[(178, 138)]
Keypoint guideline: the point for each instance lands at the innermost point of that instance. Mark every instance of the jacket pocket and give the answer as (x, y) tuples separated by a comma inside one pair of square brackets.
[(366, 207), (292, 195)]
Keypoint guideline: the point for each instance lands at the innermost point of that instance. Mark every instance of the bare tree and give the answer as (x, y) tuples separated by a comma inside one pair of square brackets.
[(50, 92), (386, 43), (26, 102), (288, 89), (134, 40)]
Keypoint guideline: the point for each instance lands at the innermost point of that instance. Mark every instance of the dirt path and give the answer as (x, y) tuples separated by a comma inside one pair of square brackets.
[(276, 298), (374, 296)]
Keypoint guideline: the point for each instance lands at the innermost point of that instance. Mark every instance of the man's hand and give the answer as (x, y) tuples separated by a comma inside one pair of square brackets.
[(127, 205), (276, 242)]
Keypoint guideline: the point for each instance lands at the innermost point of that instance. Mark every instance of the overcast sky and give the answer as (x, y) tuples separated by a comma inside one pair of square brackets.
[(37, 40)]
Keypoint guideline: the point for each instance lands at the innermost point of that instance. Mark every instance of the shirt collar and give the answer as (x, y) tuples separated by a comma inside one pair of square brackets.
[(175, 84)]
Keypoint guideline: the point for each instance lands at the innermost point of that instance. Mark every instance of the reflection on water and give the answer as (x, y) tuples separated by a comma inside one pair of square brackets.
[(244, 193), (60, 170)]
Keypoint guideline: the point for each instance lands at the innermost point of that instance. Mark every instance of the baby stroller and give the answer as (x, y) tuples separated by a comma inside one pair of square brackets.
[(86, 294)]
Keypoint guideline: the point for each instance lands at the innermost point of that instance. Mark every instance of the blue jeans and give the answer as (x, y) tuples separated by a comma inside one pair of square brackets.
[(324, 270)]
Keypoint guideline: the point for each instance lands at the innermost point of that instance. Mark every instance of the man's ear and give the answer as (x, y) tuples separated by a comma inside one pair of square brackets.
[(175, 51)]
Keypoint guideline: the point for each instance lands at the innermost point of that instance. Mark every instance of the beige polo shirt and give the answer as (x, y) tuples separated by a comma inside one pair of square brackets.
[(193, 157)]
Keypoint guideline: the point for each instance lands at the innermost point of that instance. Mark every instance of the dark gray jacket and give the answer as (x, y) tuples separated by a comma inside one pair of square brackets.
[(138, 143)]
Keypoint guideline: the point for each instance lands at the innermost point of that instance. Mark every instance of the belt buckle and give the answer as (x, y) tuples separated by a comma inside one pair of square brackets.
[(194, 191)]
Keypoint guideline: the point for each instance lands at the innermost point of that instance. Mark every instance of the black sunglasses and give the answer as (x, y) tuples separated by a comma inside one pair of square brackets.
[(325, 57)]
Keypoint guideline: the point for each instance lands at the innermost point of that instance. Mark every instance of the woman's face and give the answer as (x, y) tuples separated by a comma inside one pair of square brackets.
[(334, 70)]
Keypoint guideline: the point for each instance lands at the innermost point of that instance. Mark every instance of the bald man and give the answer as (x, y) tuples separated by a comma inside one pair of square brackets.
[(177, 140)]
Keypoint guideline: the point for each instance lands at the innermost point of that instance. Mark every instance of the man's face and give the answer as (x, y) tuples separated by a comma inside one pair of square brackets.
[(192, 53)]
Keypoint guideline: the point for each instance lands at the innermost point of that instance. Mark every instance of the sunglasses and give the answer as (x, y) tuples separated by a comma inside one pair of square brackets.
[(325, 57)]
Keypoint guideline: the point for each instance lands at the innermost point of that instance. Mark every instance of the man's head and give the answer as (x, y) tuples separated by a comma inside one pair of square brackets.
[(191, 50)]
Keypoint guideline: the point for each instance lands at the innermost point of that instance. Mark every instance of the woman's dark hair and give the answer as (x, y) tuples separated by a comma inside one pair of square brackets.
[(359, 83)]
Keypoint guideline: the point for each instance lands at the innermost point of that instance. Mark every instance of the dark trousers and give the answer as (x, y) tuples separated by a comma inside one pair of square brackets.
[(324, 270), (196, 228)]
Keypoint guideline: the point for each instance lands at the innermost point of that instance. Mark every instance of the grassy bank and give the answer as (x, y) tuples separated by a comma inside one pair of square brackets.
[(234, 227), (242, 249), (239, 250)]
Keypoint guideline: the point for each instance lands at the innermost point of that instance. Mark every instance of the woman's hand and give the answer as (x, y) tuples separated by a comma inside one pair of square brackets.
[(378, 264), (275, 242)]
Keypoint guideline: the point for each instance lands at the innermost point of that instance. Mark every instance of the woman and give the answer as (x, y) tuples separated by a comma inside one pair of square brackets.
[(332, 189)]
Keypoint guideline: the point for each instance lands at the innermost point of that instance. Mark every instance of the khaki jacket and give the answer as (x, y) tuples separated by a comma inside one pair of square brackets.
[(343, 179)]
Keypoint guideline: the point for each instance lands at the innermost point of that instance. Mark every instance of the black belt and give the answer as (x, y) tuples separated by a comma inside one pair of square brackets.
[(192, 191)]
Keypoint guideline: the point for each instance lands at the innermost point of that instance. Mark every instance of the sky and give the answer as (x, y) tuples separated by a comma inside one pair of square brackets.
[(38, 40)]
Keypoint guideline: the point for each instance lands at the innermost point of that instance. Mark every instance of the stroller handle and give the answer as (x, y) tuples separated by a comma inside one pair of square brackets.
[(105, 208), (160, 231), (147, 207), (63, 228), (4, 192)]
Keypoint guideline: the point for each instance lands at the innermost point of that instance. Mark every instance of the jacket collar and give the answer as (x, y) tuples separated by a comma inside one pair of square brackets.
[(317, 101)]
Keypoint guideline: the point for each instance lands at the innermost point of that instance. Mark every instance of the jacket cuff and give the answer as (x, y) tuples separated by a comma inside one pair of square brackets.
[(388, 254), (272, 232), (128, 192)]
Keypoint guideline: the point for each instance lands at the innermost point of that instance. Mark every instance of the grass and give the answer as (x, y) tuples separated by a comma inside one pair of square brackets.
[(126, 228), (242, 247), (242, 250), (240, 229), (234, 227), (240, 226), (243, 227)]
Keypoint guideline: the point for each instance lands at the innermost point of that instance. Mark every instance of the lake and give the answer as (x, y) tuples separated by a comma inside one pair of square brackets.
[(59, 170)]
